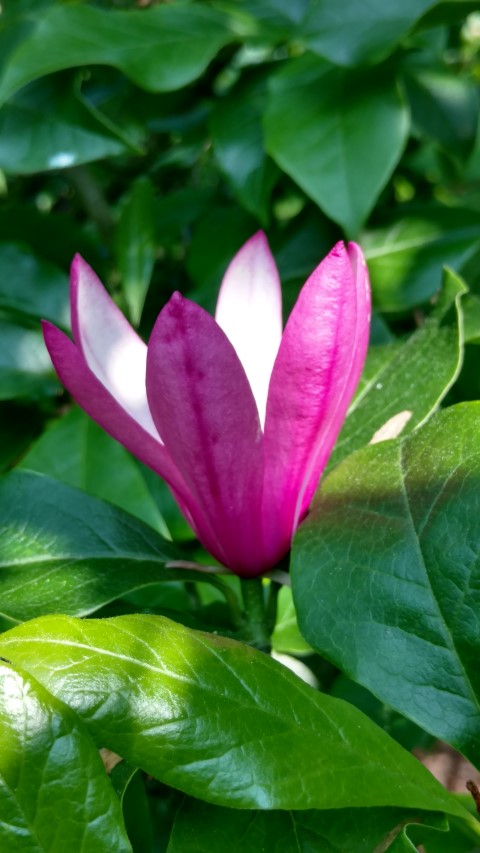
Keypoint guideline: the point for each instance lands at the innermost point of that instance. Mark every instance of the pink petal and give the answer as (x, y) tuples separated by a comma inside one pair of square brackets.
[(315, 375), (249, 310), (99, 404), (202, 403), (111, 348)]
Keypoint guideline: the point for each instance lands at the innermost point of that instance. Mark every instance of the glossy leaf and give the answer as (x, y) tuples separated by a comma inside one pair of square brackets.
[(406, 256), (54, 792), (357, 31), (385, 574), (161, 49), (218, 719), (64, 550), (398, 389), (76, 451), (354, 126), (135, 245), (203, 828)]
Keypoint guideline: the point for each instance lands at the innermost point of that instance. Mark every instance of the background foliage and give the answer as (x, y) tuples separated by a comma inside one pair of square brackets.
[(154, 138)]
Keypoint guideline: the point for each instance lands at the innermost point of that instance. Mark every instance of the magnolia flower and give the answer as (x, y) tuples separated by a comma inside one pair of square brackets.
[(237, 417)]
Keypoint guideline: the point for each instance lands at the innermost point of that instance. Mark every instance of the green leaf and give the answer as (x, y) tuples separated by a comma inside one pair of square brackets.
[(26, 371), (46, 128), (238, 143), (203, 828), (359, 31), (64, 550), (137, 815), (286, 636), (337, 133), (31, 286), (76, 451), (218, 719), (398, 382), (161, 49), (386, 572), (444, 106), (135, 245), (54, 792), (405, 257)]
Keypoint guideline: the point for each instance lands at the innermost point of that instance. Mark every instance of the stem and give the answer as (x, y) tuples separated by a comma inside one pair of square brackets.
[(257, 632), (271, 608)]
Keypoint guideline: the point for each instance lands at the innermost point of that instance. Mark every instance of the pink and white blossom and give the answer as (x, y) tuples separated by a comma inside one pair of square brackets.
[(237, 416)]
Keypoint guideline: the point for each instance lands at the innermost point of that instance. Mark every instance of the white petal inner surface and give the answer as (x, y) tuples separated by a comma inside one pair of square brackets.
[(112, 349), (249, 310)]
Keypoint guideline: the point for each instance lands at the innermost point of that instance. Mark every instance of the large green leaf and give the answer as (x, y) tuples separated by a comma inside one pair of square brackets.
[(406, 255), (76, 451), (398, 381), (161, 48), (203, 828), (358, 31), (218, 719), (54, 792), (386, 574), (337, 133), (62, 550)]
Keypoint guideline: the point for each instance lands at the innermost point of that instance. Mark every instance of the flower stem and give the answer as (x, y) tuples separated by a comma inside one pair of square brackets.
[(256, 622)]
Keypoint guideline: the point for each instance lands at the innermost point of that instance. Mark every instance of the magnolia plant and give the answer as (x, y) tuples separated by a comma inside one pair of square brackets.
[(240, 565), (237, 417)]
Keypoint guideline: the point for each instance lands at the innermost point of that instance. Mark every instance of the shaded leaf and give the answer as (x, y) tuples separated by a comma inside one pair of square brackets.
[(385, 574), (161, 48), (203, 828)]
